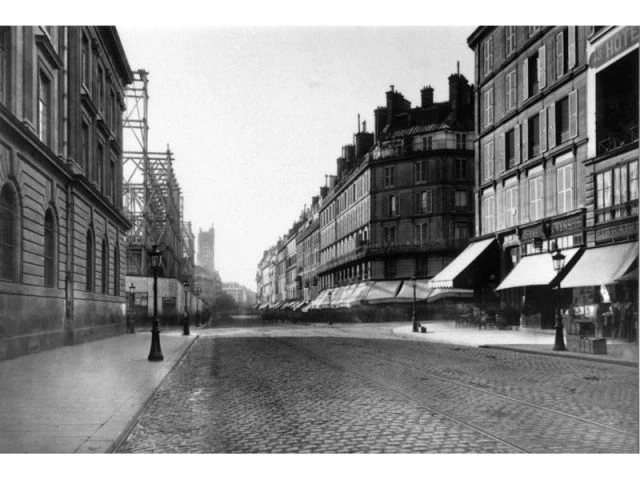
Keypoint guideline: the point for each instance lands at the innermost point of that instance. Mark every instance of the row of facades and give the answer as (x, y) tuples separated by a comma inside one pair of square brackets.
[(551, 161)]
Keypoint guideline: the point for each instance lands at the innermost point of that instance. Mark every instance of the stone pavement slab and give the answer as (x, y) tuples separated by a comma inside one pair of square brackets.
[(82, 398)]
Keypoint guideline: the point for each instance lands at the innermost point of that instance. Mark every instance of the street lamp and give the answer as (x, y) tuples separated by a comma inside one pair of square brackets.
[(558, 263), (132, 298), (330, 317), (185, 323), (155, 354), (413, 315)]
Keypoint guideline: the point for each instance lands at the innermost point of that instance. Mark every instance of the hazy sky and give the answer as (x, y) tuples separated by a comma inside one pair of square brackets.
[(256, 117)]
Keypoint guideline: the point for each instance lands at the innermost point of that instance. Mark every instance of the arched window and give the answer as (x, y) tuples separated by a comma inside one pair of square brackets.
[(105, 266), (90, 262), (49, 249), (116, 271), (8, 234)]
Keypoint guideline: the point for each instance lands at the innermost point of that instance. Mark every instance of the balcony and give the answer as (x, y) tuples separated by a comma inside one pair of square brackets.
[(627, 209), (626, 136), (407, 148)]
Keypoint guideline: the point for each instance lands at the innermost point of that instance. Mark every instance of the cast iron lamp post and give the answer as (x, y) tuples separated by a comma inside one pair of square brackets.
[(132, 297), (558, 263), (413, 315), (155, 354), (185, 323), (197, 294), (330, 319)]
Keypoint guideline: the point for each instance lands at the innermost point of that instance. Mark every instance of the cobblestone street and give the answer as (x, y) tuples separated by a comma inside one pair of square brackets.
[(357, 388)]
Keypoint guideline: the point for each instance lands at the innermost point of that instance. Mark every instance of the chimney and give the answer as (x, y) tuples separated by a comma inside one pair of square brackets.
[(314, 200), (341, 164), (363, 142), (332, 181), (458, 92), (380, 115), (324, 191), (349, 154), (426, 95)]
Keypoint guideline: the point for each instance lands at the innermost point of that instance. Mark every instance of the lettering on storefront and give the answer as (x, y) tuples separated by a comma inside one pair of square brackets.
[(566, 226), (531, 233), (625, 230), (619, 42)]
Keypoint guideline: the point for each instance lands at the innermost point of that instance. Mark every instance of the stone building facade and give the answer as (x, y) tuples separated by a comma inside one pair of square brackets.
[(62, 253)]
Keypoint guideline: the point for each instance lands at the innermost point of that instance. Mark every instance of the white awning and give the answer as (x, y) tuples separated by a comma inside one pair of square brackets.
[(535, 270), (406, 292), (358, 294), (383, 292), (446, 277), (441, 293), (601, 265), (345, 295), (322, 300)]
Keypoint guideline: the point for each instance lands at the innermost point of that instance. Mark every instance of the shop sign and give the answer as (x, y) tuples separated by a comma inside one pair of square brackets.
[(624, 230), (566, 226), (626, 37), (531, 233)]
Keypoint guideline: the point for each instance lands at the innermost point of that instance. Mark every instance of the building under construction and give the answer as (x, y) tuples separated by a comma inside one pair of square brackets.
[(153, 204)]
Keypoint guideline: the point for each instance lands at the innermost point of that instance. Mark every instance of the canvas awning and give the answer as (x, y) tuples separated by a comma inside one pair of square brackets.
[(336, 296), (442, 293), (322, 300), (453, 275), (535, 270), (383, 291), (406, 291), (357, 295), (345, 295), (602, 265)]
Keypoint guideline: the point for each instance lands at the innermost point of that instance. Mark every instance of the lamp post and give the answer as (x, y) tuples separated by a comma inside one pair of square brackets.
[(413, 315), (558, 263), (132, 298), (330, 320), (155, 354), (185, 322)]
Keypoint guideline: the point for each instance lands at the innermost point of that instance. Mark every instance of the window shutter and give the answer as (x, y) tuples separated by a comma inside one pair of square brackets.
[(516, 140), (560, 54), (542, 67), (559, 187), (573, 114), (525, 140), (500, 199), (543, 130), (551, 125), (525, 79), (523, 209), (500, 159), (571, 46)]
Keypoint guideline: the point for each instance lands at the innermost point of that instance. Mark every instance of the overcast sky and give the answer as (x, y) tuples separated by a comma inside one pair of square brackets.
[(256, 117)]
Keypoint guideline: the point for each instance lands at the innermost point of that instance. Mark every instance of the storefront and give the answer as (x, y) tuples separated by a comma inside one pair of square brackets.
[(603, 293)]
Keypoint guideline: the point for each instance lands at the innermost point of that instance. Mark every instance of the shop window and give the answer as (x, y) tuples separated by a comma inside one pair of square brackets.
[(615, 188), (49, 249), (8, 233)]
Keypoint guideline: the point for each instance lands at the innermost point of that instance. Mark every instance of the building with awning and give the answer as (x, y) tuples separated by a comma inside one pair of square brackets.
[(536, 270), (602, 265), (406, 291), (384, 291), (466, 267), (341, 301)]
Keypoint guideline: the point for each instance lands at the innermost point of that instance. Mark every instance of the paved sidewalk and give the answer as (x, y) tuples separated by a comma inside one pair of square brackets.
[(618, 351), (83, 398)]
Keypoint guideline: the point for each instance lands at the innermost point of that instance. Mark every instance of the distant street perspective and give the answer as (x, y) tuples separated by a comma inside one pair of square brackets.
[(249, 387)]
